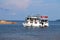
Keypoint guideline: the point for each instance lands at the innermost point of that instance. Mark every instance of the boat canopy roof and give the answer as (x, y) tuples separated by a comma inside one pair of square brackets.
[(37, 17), (32, 17)]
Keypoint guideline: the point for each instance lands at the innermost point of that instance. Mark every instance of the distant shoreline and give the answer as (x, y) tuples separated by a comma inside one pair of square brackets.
[(6, 22), (24, 20)]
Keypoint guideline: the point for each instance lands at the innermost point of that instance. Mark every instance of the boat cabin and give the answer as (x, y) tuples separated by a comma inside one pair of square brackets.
[(32, 20)]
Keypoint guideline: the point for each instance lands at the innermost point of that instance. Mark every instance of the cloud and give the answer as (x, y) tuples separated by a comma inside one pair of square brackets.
[(16, 4), (23, 4), (45, 3)]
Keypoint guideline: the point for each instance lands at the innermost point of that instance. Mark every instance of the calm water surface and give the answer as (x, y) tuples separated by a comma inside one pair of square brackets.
[(18, 32)]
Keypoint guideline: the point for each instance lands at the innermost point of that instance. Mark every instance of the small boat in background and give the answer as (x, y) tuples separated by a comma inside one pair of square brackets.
[(36, 21)]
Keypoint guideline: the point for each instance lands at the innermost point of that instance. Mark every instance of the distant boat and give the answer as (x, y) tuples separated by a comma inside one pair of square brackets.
[(36, 21), (58, 20)]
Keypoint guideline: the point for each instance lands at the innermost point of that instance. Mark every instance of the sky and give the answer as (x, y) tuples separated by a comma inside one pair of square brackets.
[(19, 9)]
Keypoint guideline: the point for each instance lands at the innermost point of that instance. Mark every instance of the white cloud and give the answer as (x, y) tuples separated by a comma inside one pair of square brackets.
[(16, 4)]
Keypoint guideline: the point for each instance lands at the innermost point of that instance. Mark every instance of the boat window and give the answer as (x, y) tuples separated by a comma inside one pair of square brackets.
[(46, 20), (31, 19), (37, 18), (27, 18), (42, 20)]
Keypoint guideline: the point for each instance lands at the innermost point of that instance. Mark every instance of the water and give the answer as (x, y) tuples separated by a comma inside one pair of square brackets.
[(18, 32)]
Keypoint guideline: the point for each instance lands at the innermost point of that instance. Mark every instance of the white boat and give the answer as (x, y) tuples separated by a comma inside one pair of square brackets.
[(36, 21)]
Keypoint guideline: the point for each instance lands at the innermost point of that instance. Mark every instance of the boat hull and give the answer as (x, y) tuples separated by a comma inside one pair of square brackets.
[(35, 25)]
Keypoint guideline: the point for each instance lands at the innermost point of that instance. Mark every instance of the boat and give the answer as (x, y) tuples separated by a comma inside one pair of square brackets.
[(36, 21)]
